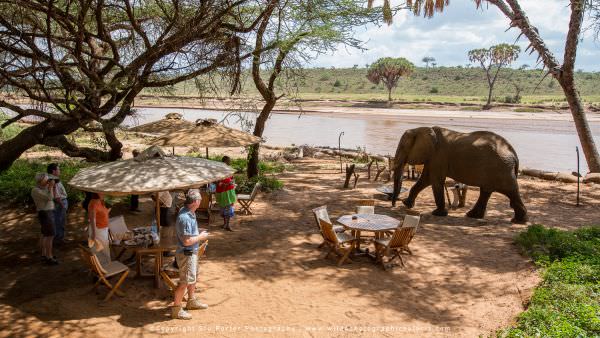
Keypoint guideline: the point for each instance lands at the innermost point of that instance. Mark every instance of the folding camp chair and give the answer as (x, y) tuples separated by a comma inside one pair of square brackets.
[(114, 268), (204, 210), (117, 232), (321, 212), (167, 269), (340, 243), (246, 200), (365, 207), (397, 244)]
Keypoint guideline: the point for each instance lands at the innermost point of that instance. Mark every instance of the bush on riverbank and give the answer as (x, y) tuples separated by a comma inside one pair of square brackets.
[(17, 181), (567, 302)]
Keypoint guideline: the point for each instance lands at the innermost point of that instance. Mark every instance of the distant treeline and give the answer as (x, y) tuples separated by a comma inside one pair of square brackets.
[(424, 82)]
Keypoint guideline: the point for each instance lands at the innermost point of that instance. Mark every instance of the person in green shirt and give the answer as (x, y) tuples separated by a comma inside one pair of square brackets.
[(226, 197)]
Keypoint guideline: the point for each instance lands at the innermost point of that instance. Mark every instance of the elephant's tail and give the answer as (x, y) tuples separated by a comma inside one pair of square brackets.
[(516, 166)]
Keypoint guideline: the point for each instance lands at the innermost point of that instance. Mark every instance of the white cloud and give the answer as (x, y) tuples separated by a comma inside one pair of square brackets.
[(450, 35)]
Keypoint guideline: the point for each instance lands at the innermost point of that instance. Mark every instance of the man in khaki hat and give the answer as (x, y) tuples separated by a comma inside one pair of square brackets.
[(188, 239)]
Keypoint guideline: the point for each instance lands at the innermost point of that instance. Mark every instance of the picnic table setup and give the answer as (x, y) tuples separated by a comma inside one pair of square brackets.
[(389, 236), (149, 173)]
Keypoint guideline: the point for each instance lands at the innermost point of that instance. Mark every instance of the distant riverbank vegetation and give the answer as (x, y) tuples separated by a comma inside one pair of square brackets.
[(440, 84)]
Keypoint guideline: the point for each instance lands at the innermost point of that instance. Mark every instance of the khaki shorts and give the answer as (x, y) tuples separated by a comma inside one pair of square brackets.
[(188, 268)]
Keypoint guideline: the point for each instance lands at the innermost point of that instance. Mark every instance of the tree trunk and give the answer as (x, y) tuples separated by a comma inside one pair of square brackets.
[(583, 128), (12, 149), (389, 94), (259, 128), (489, 99)]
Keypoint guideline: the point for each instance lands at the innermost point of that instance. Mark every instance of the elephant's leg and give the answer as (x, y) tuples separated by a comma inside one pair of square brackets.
[(518, 206), (478, 210), (422, 183), (440, 201)]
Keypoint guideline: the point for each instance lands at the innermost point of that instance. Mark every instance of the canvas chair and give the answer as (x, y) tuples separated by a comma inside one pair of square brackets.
[(112, 269), (204, 210), (340, 243), (117, 232), (365, 206), (246, 200), (397, 244), (321, 213), (168, 272)]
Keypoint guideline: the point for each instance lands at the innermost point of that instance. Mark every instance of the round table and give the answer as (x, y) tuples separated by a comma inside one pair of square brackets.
[(389, 190), (368, 222)]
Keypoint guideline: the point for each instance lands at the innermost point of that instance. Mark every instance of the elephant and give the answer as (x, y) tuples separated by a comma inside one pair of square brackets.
[(482, 158)]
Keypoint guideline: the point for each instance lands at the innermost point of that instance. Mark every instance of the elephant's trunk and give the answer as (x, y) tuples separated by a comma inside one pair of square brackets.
[(398, 174)]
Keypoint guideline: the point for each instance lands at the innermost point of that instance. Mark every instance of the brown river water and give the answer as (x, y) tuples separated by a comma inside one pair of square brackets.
[(540, 144)]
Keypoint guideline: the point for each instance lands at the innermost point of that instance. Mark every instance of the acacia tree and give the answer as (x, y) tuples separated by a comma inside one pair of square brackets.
[(389, 71), (562, 72), (298, 30), (492, 60), (80, 61), (427, 60)]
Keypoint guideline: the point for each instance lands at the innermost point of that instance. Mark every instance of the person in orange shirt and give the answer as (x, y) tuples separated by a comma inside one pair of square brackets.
[(98, 234)]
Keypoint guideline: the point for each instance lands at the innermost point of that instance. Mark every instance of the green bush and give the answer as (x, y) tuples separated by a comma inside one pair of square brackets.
[(245, 185), (18, 180), (567, 302), (434, 90), (241, 164), (337, 83)]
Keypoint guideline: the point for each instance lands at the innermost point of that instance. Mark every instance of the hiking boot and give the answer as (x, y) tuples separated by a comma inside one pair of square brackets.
[(177, 312), (195, 304)]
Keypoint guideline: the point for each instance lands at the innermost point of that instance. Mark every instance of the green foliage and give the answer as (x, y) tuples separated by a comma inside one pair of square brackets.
[(471, 87), (434, 90), (10, 131), (567, 302), (241, 164), (337, 83), (245, 185), (16, 182)]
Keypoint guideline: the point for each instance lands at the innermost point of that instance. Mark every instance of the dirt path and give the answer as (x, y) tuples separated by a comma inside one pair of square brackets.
[(465, 278)]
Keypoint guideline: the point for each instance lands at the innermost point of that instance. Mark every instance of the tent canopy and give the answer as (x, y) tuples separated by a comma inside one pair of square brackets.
[(171, 123), (207, 134), (152, 174)]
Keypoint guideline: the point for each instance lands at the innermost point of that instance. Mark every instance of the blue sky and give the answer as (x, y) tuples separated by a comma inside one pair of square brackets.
[(450, 35)]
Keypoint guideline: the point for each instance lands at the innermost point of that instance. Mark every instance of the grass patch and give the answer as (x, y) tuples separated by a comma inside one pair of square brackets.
[(470, 108), (17, 181), (567, 302), (10, 131), (528, 110)]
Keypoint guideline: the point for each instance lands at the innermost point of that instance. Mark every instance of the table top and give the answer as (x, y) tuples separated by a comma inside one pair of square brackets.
[(369, 222), (389, 189)]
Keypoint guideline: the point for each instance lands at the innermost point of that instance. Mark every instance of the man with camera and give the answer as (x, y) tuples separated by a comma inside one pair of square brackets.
[(43, 197), (61, 203), (188, 239)]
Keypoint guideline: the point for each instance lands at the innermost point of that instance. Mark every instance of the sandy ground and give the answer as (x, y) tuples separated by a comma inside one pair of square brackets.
[(268, 278)]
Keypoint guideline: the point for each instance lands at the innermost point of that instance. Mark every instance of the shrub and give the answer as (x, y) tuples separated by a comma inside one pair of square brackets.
[(337, 83), (324, 77), (18, 180), (434, 90), (245, 185), (567, 302), (457, 78)]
